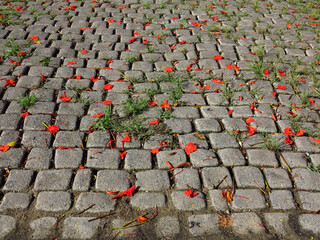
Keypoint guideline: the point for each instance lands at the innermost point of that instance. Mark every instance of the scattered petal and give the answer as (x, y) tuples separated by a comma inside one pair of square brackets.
[(128, 192)]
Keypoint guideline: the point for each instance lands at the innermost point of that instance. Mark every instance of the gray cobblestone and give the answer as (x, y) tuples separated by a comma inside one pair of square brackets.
[(277, 178), (222, 140), (182, 202), (310, 222), (153, 180), (213, 175), (15, 201), (68, 158), (259, 157), (248, 177), (306, 179), (203, 158), (103, 202), (245, 223), (18, 180), (231, 156), (79, 228), (167, 227), (200, 225), (39, 159), (112, 180), (53, 180), (53, 201), (42, 227), (147, 200), (245, 199), (282, 200), (8, 224), (82, 180), (174, 157), (108, 159), (138, 159), (13, 158)]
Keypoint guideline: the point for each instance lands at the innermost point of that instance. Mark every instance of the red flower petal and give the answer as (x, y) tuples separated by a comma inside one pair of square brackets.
[(4, 148), (128, 192), (190, 193), (108, 86)]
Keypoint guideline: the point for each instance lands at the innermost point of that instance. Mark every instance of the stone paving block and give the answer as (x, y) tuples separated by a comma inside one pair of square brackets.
[(102, 201), (187, 138), (9, 121), (222, 140), (203, 158), (107, 159), (282, 200), (278, 223), (217, 202), (248, 177), (42, 107), (306, 144), (277, 178), (42, 227), (112, 180), (53, 180), (68, 139), (306, 179), (262, 158), (167, 226), (181, 126), (134, 143), (53, 201), (152, 180), (28, 81), (15, 201), (315, 159), (148, 200), (118, 222), (8, 225), (293, 159), (246, 224), (310, 223), (234, 124), (79, 228), (174, 157), (68, 158), (67, 122), (204, 125), (185, 112), (182, 202), (211, 176), (34, 122), (204, 224), (245, 199), (82, 180), (19, 180), (214, 112), (13, 158), (231, 156), (36, 139), (39, 159), (309, 200), (187, 176), (14, 93), (138, 160), (76, 109), (43, 95)]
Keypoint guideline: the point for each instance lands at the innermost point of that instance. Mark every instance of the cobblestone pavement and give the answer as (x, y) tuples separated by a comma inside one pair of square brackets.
[(139, 119)]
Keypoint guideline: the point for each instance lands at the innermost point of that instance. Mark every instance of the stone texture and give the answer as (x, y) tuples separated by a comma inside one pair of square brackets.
[(42, 227), (79, 228), (103, 202), (53, 201)]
